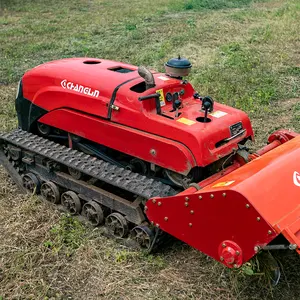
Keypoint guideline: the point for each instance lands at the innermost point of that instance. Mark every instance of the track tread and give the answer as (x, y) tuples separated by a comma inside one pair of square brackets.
[(94, 167)]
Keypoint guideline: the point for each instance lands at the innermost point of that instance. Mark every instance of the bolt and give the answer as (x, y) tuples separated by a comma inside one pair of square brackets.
[(154, 201), (223, 245), (152, 223), (192, 212), (258, 219), (247, 206), (190, 224), (157, 225), (186, 204), (200, 197), (221, 258), (159, 203), (235, 266), (145, 208), (292, 246), (186, 198), (269, 232), (237, 252), (224, 194), (153, 152), (211, 195), (166, 219), (256, 248)]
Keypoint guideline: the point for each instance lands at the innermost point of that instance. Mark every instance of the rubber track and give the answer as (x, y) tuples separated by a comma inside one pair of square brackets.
[(94, 167)]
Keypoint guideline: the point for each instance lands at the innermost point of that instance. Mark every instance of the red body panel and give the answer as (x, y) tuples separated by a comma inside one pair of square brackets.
[(245, 207), (49, 86), (134, 142), (207, 223)]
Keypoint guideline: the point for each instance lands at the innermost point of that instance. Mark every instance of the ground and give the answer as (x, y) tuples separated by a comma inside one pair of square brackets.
[(244, 53)]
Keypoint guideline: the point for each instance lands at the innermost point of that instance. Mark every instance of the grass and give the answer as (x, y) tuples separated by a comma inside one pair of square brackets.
[(244, 53)]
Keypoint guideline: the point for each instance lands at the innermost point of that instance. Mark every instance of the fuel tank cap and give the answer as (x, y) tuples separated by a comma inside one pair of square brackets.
[(178, 67)]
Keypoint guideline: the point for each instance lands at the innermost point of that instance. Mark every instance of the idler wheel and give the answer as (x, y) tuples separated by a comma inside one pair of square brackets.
[(143, 236), (93, 212), (31, 183), (50, 192), (75, 173), (117, 225), (71, 202)]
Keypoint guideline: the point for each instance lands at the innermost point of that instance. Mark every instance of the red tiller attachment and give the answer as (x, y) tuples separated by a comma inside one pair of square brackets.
[(233, 217)]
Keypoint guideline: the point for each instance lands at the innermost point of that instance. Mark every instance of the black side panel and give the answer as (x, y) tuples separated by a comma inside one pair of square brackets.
[(27, 112)]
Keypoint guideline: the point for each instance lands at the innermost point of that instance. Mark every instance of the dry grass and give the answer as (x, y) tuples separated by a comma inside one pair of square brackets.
[(46, 255)]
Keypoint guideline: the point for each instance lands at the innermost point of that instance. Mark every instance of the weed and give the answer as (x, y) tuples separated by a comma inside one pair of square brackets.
[(67, 235)]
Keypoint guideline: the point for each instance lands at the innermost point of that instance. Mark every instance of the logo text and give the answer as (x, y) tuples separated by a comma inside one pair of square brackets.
[(79, 88)]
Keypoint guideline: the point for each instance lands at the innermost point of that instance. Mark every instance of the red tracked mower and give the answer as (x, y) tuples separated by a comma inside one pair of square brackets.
[(145, 154)]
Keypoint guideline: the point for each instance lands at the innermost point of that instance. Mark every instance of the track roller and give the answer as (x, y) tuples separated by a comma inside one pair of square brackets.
[(43, 129), (117, 225), (75, 173), (13, 153), (71, 202), (93, 212), (31, 183), (143, 236), (50, 192)]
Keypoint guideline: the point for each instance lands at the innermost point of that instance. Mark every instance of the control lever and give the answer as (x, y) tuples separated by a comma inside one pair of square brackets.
[(207, 106), (176, 103), (157, 101)]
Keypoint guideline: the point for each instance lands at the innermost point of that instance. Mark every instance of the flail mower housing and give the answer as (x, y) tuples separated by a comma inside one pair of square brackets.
[(149, 156)]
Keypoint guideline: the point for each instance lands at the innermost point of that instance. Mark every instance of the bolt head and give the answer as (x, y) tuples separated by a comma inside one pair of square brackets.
[(247, 206), (157, 225), (224, 194), (145, 208), (154, 201), (235, 266), (223, 245), (256, 248), (186, 204), (211, 195), (269, 232), (166, 219), (190, 224), (200, 197), (258, 219), (153, 152), (186, 198), (192, 212), (159, 203), (221, 258), (237, 252), (152, 223)]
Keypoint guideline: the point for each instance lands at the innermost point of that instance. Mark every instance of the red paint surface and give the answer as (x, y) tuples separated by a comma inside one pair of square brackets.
[(42, 86), (266, 184)]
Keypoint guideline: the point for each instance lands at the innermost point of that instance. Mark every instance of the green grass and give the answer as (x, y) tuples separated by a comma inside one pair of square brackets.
[(66, 236), (244, 53), (241, 57)]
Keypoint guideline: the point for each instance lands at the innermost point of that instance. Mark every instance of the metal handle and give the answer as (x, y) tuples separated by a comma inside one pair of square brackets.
[(142, 98), (234, 136)]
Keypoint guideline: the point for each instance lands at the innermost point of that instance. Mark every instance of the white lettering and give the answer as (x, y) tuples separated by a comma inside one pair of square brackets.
[(296, 178), (65, 84), (86, 90)]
